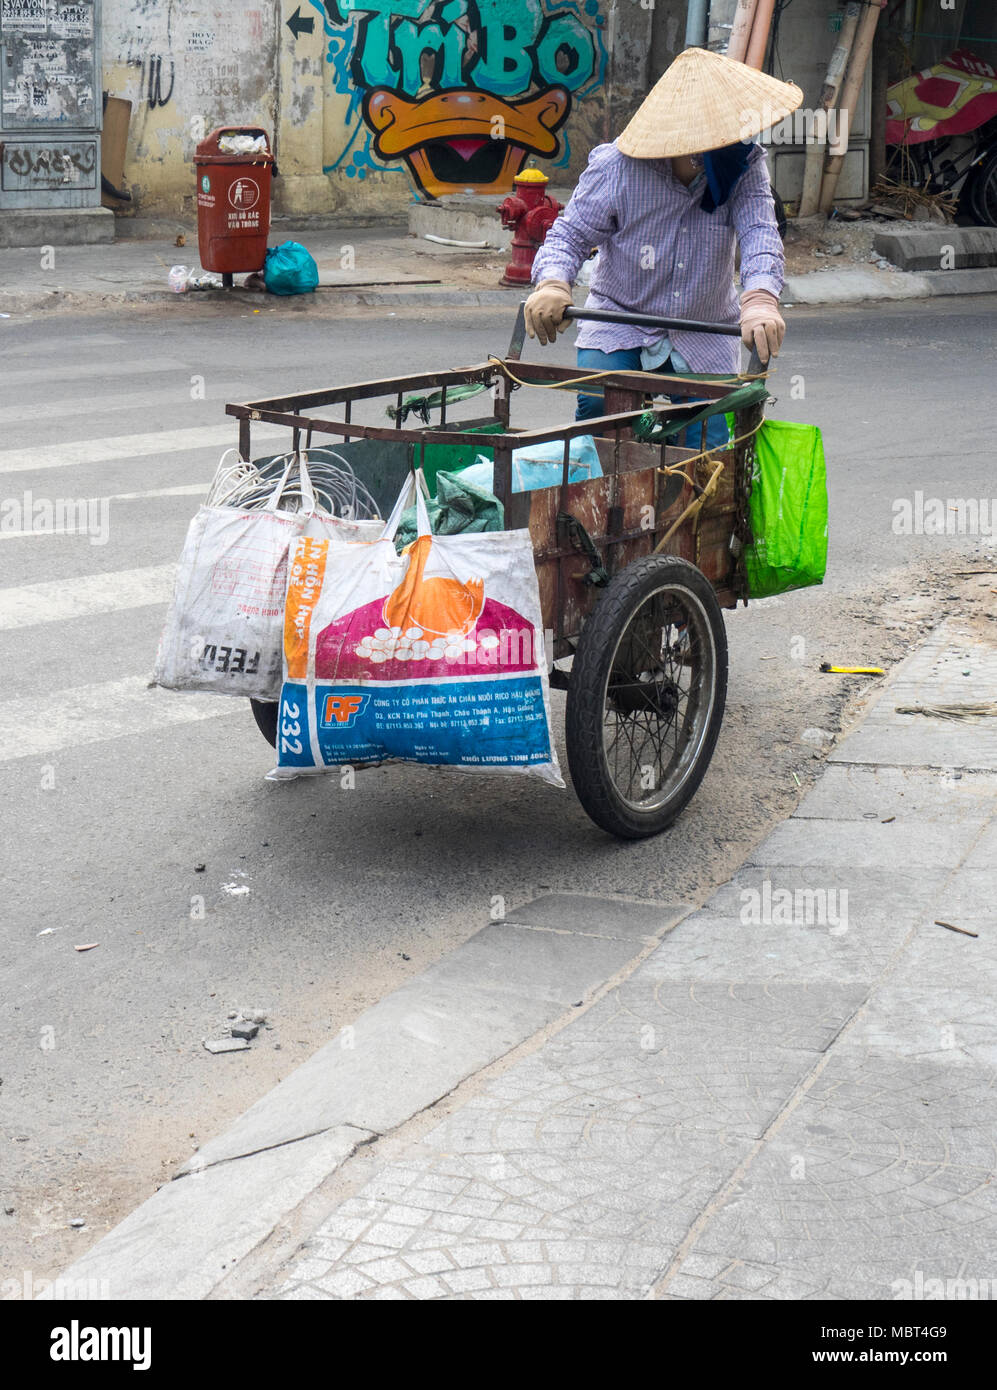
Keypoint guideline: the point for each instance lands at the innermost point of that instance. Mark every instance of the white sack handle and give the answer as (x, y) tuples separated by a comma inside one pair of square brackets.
[(307, 490), (414, 481), (421, 511), (273, 502)]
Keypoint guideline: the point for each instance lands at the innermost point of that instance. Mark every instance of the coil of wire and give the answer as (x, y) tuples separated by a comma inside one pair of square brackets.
[(337, 489)]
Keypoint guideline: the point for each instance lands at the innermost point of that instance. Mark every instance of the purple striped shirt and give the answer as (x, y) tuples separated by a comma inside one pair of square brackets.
[(659, 253)]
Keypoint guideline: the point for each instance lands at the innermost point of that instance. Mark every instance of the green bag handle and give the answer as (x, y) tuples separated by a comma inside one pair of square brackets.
[(751, 393)]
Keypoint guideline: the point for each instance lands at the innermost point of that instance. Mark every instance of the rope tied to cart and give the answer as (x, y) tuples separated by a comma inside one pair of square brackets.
[(738, 379), (423, 405), (703, 494)]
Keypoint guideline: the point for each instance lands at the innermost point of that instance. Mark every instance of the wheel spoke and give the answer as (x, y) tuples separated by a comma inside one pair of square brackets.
[(657, 698)]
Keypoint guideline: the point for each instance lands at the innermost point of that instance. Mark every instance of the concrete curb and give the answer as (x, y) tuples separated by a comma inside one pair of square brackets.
[(852, 286), (469, 216), (860, 286), (929, 247), (509, 982), (21, 227), (430, 297)]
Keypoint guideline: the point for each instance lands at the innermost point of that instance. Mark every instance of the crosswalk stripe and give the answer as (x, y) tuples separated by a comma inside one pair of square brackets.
[(93, 368), (89, 504), (166, 397), (184, 490), (38, 727), (130, 446), (54, 600)]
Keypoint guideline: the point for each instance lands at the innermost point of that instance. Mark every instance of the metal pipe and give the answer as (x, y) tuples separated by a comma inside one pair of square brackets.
[(849, 97), (697, 23), (880, 82), (608, 116), (814, 167), (740, 31), (759, 42)]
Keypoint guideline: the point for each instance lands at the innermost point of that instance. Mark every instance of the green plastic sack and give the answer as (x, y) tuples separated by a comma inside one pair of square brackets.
[(290, 269), (457, 507), (787, 509)]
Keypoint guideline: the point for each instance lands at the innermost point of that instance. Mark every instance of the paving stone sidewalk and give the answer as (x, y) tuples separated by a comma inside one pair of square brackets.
[(357, 266), (792, 1097)]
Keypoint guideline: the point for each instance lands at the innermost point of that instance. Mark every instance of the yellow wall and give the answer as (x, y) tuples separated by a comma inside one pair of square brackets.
[(371, 102), (186, 68)]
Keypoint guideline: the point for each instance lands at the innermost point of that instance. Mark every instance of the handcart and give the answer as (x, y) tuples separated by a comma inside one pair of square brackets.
[(633, 567)]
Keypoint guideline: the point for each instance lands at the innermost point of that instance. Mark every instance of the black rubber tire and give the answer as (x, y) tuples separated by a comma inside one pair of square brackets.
[(604, 655), (983, 193), (265, 714)]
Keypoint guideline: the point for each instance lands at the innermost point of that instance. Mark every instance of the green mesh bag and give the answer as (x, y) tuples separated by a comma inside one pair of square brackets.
[(457, 507), (788, 510)]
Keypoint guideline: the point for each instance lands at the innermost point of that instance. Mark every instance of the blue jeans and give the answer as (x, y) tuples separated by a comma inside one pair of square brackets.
[(628, 360)]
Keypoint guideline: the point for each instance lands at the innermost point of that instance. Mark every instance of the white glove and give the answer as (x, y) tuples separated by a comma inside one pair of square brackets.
[(762, 326), (545, 310)]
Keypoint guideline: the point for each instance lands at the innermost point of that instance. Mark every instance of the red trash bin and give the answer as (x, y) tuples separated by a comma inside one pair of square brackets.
[(233, 203)]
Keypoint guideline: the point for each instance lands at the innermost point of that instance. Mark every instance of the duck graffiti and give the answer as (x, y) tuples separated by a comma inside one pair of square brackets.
[(462, 92)]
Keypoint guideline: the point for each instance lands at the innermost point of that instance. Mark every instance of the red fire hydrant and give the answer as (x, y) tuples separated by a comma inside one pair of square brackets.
[(530, 213)]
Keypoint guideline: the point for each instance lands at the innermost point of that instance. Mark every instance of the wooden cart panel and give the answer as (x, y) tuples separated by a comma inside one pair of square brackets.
[(625, 516)]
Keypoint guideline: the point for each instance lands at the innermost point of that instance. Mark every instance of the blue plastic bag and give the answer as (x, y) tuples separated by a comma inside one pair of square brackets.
[(540, 465), (290, 269)]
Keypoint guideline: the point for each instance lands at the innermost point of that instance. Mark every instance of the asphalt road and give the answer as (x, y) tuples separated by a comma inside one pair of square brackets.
[(110, 803)]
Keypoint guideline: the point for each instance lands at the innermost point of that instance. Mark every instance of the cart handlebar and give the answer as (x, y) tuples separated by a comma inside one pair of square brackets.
[(729, 330), (652, 321)]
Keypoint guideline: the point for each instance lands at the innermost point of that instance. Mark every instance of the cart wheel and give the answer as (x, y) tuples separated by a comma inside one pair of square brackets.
[(265, 714), (646, 696)]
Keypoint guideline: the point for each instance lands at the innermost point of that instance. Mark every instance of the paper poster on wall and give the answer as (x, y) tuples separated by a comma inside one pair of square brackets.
[(73, 21), (24, 16), (49, 71)]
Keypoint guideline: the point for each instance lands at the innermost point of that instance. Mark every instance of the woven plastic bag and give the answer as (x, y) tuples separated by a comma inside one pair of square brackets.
[(434, 656), (225, 625), (787, 509)]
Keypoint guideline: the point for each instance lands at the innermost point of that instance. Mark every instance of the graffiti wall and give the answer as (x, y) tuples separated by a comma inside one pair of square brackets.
[(372, 102), (458, 94)]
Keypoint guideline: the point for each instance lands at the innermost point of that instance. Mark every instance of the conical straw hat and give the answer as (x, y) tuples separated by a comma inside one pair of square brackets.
[(704, 102)]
